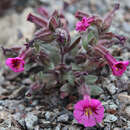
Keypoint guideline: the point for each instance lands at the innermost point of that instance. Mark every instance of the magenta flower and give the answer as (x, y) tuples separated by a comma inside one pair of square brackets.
[(16, 64), (89, 112), (84, 24), (118, 67)]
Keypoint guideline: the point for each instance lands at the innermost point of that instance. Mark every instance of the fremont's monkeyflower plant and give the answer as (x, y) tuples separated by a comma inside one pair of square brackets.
[(55, 61)]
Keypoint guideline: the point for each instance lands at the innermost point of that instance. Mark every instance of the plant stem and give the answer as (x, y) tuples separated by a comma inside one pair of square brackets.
[(62, 55)]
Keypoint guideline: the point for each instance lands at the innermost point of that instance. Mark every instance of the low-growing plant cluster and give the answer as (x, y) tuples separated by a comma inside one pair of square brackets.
[(71, 64)]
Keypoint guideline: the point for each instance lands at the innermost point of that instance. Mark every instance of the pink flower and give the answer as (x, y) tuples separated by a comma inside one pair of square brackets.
[(16, 64), (84, 24), (118, 67), (89, 112)]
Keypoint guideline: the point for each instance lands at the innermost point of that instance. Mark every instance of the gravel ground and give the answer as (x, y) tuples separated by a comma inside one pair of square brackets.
[(44, 110)]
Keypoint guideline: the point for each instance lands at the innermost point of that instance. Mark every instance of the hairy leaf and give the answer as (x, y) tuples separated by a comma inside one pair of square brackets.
[(52, 51), (95, 90), (69, 77), (75, 67), (90, 79)]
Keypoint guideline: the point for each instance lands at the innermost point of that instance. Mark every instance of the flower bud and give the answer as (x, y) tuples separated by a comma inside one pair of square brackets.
[(79, 14), (53, 24), (108, 19), (62, 36), (42, 11), (38, 21), (45, 35)]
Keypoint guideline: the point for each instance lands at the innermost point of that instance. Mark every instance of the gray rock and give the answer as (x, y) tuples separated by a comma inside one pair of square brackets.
[(127, 129), (43, 121), (126, 26), (127, 3), (47, 128), (21, 107), (27, 81), (34, 103), (71, 19), (72, 9), (124, 98), (17, 117), (1, 79), (2, 90), (69, 127), (58, 127), (28, 109), (74, 121), (127, 110), (111, 88), (116, 128), (10, 31), (44, 1), (2, 128), (113, 106), (110, 118), (128, 123), (123, 119), (109, 105), (124, 78), (63, 118), (48, 115), (31, 120)]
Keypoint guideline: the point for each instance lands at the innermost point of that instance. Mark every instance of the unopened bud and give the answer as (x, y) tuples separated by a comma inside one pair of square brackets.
[(62, 36), (79, 14), (42, 11), (108, 19), (53, 24), (38, 21)]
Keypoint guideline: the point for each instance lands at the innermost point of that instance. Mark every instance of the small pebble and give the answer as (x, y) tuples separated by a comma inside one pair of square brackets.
[(63, 118), (127, 110), (31, 120), (110, 118)]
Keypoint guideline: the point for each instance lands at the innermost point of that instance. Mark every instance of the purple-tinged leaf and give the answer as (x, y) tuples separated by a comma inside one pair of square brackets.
[(52, 24), (42, 11), (79, 14), (38, 21), (74, 44), (108, 19)]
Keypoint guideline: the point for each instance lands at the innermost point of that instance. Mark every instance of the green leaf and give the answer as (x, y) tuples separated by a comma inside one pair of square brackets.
[(69, 77), (75, 67), (65, 88), (90, 79), (32, 77), (52, 51), (85, 44), (90, 36), (95, 90), (37, 47), (41, 75), (28, 66), (73, 45), (48, 78), (51, 66)]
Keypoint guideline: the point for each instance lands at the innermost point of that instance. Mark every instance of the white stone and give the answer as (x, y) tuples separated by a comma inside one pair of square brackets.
[(110, 118)]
